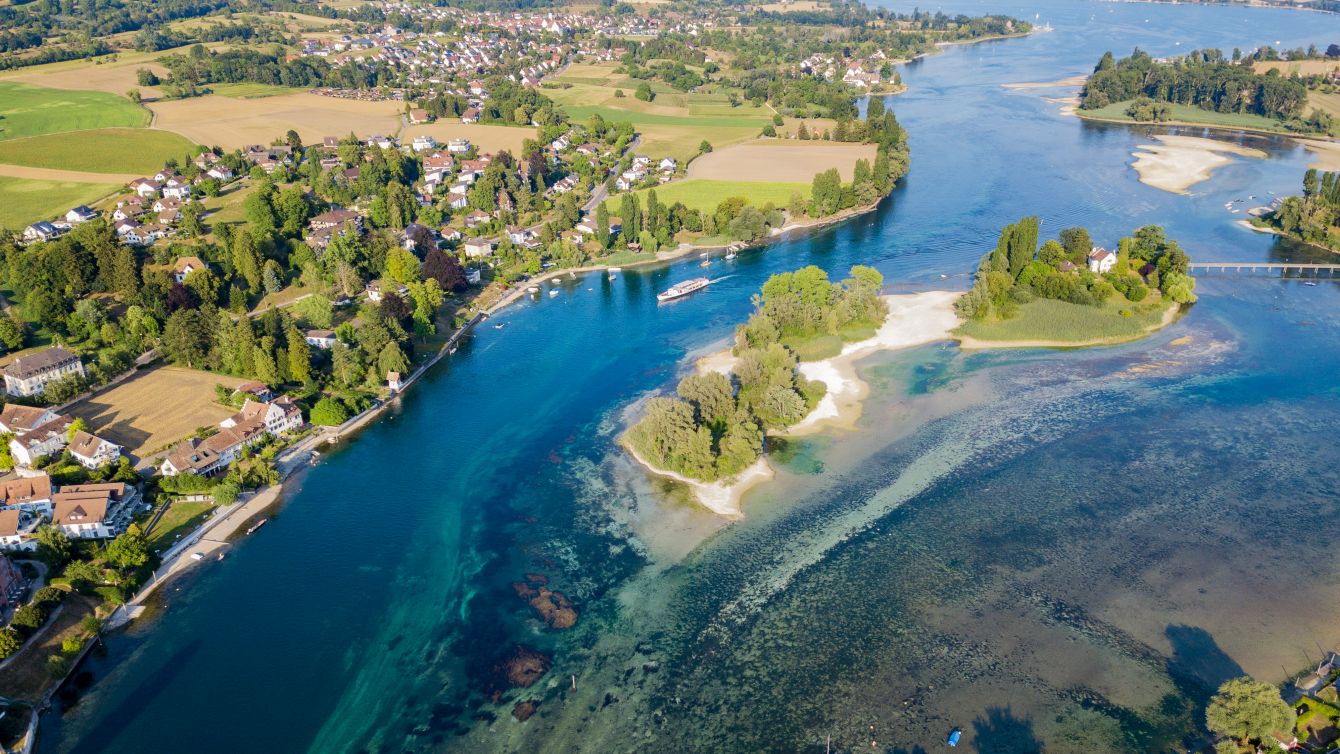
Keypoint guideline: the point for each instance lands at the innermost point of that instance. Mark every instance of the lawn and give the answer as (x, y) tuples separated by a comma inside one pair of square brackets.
[(251, 90), (181, 518), (27, 200), (1185, 114), (27, 677), (1061, 322), (706, 195), (104, 150), (827, 346), (32, 111), (155, 407)]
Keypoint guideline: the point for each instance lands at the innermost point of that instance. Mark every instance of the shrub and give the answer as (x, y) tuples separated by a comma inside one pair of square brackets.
[(329, 412), (71, 645), (9, 642), (29, 618)]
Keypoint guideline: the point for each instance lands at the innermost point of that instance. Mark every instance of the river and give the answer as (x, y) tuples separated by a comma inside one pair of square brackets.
[(1050, 549)]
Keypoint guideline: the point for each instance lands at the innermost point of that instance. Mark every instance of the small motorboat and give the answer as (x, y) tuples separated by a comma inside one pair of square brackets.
[(954, 736), (1311, 283), (731, 254), (533, 289), (706, 263), (553, 292), (500, 326)]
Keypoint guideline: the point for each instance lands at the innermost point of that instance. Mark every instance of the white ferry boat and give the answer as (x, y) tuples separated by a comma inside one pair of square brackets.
[(683, 289)]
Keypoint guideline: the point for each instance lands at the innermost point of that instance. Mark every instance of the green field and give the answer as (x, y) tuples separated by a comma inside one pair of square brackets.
[(104, 150), (1327, 103), (180, 519), (1185, 114), (32, 110), (27, 200), (249, 90), (1061, 322), (706, 195)]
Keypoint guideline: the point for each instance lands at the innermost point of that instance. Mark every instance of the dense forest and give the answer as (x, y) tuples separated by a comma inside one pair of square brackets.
[(1018, 271), (1203, 79), (1314, 216), (715, 427)]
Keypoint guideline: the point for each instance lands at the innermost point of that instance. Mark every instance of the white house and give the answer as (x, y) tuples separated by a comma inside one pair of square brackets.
[(92, 451), (46, 440), (31, 495), (457, 146), (40, 231), (276, 417), (423, 143), (80, 214), (479, 247), (184, 266), (82, 517), (29, 375), (1101, 260), (16, 530), (323, 339), (15, 419)]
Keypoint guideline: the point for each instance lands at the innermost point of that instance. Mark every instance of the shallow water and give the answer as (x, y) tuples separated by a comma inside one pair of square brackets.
[(1050, 548)]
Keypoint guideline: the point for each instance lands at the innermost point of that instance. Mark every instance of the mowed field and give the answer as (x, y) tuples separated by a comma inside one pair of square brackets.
[(1300, 67), (105, 150), (706, 195), (489, 138), (155, 407), (786, 161), (98, 74), (23, 200), (232, 123), (33, 111), (673, 124)]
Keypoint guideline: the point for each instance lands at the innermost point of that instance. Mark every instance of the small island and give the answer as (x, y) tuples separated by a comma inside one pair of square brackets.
[(1313, 218), (789, 371), (1071, 292)]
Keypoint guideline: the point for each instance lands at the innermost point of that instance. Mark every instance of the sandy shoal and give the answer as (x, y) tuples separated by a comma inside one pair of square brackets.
[(914, 319), (1069, 81), (1179, 162), (1325, 154)]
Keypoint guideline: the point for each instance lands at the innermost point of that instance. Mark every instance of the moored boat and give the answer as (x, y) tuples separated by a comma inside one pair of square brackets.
[(954, 736)]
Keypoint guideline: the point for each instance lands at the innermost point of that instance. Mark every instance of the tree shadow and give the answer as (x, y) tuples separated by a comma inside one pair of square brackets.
[(1000, 732), (1198, 666)]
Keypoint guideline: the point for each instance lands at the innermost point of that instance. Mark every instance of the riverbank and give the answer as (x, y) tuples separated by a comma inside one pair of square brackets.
[(1179, 162), (914, 319)]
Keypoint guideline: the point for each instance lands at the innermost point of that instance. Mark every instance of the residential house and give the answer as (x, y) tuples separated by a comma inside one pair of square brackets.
[(12, 584), (1101, 260), (418, 115), (473, 276), (41, 231), (91, 451), (177, 189), (323, 339), (471, 115), (275, 417), (30, 495), (16, 419), (479, 247), (206, 457), (220, 173), (257, 390), (475, 218), (46, 440), (145, 187), (393, 382), (94, 511), (16, 530), (423, 143), (184, 266), (80, 214), (458, 146), (29, 375)]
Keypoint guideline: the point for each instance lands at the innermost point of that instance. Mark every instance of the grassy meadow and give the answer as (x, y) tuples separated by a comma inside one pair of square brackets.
[(1192, 115), (1061, 322), (26, 200), (251, 90), (104, 150), (705, 195), (33, 111)]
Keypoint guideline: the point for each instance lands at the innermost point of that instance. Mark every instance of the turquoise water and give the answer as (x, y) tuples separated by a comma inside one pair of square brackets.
[(1059, 549)]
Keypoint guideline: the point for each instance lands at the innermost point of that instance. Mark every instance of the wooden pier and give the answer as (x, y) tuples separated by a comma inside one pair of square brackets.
[(1280, 268)]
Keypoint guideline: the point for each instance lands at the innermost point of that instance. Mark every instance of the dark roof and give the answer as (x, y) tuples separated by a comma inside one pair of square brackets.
[(29, 366)]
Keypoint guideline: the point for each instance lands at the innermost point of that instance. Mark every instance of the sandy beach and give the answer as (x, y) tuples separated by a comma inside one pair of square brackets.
[(1179, 162), (1326, 154), (1068, 81), (914, 319)]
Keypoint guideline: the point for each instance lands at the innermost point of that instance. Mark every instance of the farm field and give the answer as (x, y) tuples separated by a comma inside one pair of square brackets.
[(232, 123), (706, 195), (1300, 67), (489, 138), (33, 111), (155, 407), (673, 124), (105, 150), (1187, 114), (1327, 103), (26, 200), (101, 74), (251, 90), (787, 161)]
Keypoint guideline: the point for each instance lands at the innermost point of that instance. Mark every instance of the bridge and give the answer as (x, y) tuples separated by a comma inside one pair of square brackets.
[(1282, 268)]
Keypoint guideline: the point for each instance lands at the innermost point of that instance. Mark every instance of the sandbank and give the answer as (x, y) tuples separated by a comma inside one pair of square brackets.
[(1326, 154), (1068, 81), (1180, 162), (914, 319), (1257, 228)]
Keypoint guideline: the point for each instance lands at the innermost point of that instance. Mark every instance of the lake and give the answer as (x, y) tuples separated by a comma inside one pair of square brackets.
[(1059, 549)]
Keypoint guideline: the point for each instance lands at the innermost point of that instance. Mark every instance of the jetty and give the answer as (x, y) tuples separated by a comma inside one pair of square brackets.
[(1302, 269)]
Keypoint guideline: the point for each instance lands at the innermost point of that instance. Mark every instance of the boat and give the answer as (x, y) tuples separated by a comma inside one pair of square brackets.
[(1311, 282), (553, 292), (706, 263), (954, 736), (731, 254), (614, 272), (257, 525), (683, 289), (197, 556), (703, 255), (533, 289), (220, 556)]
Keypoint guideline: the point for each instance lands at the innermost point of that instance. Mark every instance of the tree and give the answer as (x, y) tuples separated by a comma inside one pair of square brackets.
[(704, 147), (711, 395), (11, 332), (129, 549), (644, 92), (445, 269), (247, 259), (9, 642), (187, 336), (1248, 710), (54, 546), (299, 356), (133, 95), (329, 412), (316, 310), (78, 425), (392, 359)]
